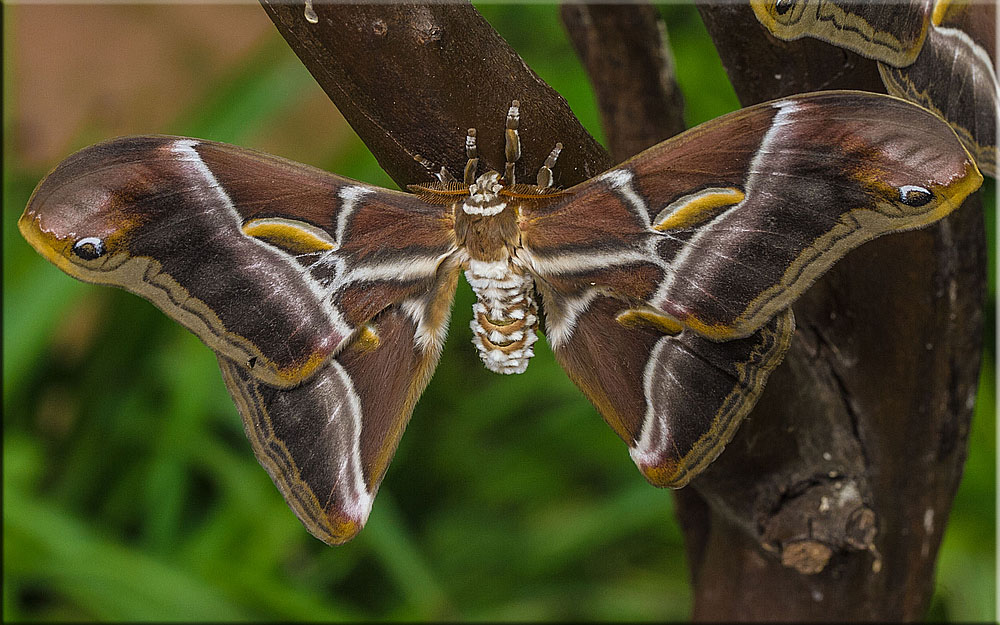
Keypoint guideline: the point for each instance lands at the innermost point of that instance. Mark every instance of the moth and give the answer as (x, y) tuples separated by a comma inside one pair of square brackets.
[(664, 284), (940, 54)]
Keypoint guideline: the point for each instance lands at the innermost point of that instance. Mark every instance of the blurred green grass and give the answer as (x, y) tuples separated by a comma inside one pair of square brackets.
[(131, 493)]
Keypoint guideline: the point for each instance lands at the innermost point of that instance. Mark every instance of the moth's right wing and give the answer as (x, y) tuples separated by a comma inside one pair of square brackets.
[(326, 300), (675, 397), (666, 281), (955, 76)]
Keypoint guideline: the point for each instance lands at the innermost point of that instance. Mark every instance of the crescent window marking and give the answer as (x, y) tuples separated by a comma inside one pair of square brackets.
[(913, 195), (89, 248), (696, 208), (291, 235)]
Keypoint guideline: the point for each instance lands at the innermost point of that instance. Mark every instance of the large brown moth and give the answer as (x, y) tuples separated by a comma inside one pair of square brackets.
[(664, 283), (940, 54)]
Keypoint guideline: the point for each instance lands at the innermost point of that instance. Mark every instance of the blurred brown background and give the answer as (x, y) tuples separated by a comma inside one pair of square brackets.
[(81, 73)]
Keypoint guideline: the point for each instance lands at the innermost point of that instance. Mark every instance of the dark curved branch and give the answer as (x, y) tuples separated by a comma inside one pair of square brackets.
[(762, 68), (411, 79), (627, 56)]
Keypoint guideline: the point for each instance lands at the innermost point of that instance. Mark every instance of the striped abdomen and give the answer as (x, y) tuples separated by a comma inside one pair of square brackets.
[(505, 316)]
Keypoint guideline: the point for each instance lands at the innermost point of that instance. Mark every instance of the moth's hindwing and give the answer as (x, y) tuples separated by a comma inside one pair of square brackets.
[(716, 232), (675, 398), (327, 443), (273, 264)]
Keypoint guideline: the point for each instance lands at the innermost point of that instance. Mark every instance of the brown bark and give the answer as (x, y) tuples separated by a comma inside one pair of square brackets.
[(851, 459), (411, 79), (618, 44)]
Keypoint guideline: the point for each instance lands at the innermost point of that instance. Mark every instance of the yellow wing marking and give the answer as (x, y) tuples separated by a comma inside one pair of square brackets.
[(295, 237), (651, 318), (696, 208)]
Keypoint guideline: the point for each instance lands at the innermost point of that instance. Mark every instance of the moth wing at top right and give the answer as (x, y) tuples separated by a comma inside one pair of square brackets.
[(667, 280), (940, 55)]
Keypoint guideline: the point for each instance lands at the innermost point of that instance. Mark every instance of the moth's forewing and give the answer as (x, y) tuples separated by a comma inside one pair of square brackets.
[(271, 263), (725, 225)]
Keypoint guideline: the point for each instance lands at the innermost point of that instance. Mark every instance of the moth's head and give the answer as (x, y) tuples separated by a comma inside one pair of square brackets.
[(486, 188), (82, 214), (484, 195)]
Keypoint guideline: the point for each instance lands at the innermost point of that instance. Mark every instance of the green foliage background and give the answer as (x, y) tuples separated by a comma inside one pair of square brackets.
[(131, 493)]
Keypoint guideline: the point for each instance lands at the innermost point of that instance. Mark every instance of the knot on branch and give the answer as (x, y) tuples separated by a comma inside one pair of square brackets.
[(821, 517)]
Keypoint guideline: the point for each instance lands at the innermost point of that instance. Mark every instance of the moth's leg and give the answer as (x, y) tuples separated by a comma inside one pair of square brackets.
[(472, 153), (544, 179), (443, 175), (513, 147)]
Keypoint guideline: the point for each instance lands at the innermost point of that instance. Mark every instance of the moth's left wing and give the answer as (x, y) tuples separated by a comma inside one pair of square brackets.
[(707, 237), (273, 264), (327, 443)]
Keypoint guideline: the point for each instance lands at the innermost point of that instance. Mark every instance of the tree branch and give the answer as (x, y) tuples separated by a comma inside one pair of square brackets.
[(625, 51), (411, 79)]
